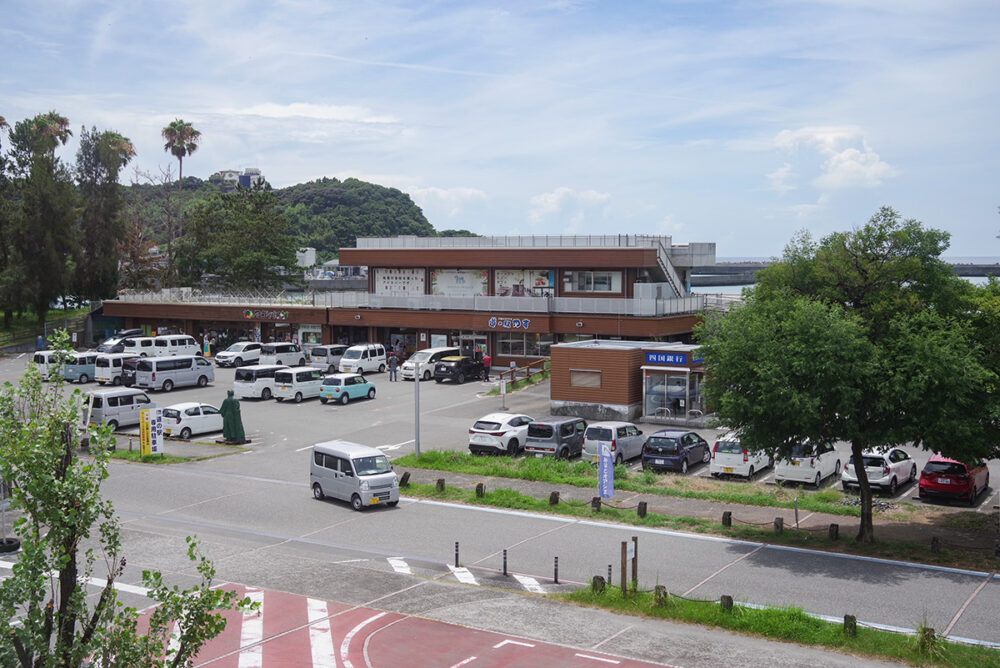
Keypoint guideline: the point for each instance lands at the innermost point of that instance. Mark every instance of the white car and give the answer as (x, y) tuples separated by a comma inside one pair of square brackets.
[(238, 354), (886, 469), (731, 457), (809, 463), (499, 432), (189, 418)]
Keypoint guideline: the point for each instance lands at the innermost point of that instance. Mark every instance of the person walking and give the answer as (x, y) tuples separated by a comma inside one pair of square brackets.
[(486, 366), (393, 363)]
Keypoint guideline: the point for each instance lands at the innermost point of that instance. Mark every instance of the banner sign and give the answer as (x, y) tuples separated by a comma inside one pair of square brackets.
[(151, 431), (264, 314), (508, 323), (605, 473)]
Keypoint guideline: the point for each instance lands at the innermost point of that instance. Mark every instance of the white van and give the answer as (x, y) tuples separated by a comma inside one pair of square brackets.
[(288, 354), (255, 381), (425, 360), (45, 361), (169, 345), (139, 346), (352, 472), (363, 358), (118, 407), (327, 357), (298, 383), (166, 373), (108, 368)]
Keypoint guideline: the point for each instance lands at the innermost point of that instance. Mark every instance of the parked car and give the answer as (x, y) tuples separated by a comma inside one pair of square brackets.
[(808, 463), (172, 345), (886, 470), (115, 344), (951, 478), (139, 346), (297, 383), (238, 354), (498, 433), (343, 387), (327, 358), (288, 354), (624, 440), (458, 368), (730, 456), (166, 373), (118, 406), (351, 472), (108, 368), (364, 358), (189, 418), (670, 449), (256, 381), (128, 371), (422, 362), (80, 367), (559, 437)]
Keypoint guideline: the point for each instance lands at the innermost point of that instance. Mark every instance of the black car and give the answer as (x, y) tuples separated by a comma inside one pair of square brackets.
[(128, 371), (457, 368)]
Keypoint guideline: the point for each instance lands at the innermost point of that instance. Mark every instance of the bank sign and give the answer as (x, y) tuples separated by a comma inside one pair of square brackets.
[(680, 359)]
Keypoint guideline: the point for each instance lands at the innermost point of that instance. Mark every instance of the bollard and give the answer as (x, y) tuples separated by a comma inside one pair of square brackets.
[(834, 532), (505, 562), (403, 482), (609, 573), (727, 603), (440, 484), (935, 544), (796, 503), (130, 444), (595, 503), (779, 524), (480, 490), (556, 571), (456, 554), (660, 594), (850, 625), (597, 585), (554, 498), (642, 509), (727, 518)]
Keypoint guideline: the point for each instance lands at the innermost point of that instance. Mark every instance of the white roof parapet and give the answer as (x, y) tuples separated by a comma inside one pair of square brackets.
[(529, 241)]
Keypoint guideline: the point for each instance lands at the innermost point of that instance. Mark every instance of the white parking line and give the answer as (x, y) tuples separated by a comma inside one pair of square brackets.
[(731, 563), (987, 502), (529, 583), (399, 565), (597, 658), (463, 575)]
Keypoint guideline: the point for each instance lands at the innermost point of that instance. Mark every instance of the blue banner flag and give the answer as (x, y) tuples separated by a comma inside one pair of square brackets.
[(605, 473)]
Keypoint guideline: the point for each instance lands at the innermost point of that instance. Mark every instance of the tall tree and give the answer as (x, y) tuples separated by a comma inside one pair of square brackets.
[(10, 279), (866, 338), (99, 162), (181, 140)]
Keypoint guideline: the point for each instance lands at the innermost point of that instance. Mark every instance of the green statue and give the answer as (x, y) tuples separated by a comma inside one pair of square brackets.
[(232, 423)]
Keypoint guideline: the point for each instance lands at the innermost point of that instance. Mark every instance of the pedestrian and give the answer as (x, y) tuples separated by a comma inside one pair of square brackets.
[(393, 362), (486, 366)]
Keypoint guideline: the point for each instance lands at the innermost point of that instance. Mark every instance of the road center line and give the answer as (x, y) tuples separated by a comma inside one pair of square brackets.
[(731, 563), (611, 637), (954, 620), (529, 538)]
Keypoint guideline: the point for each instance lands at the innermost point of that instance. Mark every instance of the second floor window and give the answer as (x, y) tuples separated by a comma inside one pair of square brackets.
[(592, 281)]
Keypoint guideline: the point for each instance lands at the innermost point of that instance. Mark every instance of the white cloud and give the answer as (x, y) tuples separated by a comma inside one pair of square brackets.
[(450, 201), (850, 162), (562, 198), (779, 179), (853, 168), (320, 112)]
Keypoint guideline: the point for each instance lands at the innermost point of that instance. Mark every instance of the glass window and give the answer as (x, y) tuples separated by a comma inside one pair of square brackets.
[(584, 378)]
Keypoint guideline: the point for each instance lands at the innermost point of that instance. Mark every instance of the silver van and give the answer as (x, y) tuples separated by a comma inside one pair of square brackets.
[(352, 472), (328, 357), (166, 373), (422, 362), (558, 436), (288, 354), (118, 407)]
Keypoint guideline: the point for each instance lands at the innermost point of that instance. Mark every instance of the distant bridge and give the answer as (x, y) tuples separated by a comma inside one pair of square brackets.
[(745, 273)]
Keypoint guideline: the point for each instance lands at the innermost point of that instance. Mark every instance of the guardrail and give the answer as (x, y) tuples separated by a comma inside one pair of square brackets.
[(530, 371)]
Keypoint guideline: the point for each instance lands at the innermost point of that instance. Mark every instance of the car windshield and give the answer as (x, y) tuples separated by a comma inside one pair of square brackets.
[(171, 413), (801, 450), (236, 348), (598, 434), (730, 447), (668, 444), (372, 465), (945, 468), (352, 354), (420, 357), (330, 380), (486, 426)]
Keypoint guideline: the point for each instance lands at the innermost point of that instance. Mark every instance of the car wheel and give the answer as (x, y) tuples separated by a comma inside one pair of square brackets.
[(684, 466), (892, 487), (114, 425), (323, 400), (318, 492), (750, 474), (371, 393), (461, 378), (437, 380), (186, 433), (618, 460), (302, 361), (83, 378), (168, 385), (8, 545), (381, 368), (513, 447), (298, 397), (356, 502), (845, 487), (427, 375), (836, 469), (913, 473), (973, 495), (391, 503), (237, 363), (116, 381), (279, 399), (265, 394), (705, 458), (344, 399), (818, 480), (202, 381)]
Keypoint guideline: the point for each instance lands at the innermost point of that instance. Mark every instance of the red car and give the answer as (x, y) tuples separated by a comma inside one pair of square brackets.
[(950, 478)]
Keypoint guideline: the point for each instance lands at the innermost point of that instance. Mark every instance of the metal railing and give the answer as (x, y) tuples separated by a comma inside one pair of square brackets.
[(526, 241)]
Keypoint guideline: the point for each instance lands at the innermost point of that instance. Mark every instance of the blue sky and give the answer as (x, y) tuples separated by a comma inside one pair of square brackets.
[(734, 122)]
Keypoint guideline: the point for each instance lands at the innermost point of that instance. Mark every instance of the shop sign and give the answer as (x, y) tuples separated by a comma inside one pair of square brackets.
[(666, 358), (509, 323), (263, 314)]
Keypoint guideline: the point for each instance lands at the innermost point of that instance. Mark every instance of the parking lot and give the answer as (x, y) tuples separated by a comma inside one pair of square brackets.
[(280, 432)]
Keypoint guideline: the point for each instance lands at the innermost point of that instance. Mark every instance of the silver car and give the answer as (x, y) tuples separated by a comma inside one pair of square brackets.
[(624, 440)]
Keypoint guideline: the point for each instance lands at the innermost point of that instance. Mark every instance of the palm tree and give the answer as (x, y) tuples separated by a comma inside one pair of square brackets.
[(50, 131), (182, 139)]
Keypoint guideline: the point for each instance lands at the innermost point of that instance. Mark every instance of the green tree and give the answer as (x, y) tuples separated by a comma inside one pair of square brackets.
[(865, 338), (181, 141), (11, 294), (46, 615), (99, 162)]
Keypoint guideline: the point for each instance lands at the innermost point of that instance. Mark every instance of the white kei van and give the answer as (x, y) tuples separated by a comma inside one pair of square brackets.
[(45, 361), (352, 472), (140, 346), (298, 383), (166, 373), (118, 407), (255, 381), (363, 358), (327, 357), (175, 344), (288, 354), (108, 368), (422, 362)]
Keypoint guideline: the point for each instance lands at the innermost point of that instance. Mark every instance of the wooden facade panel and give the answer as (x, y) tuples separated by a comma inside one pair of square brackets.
[(505, 258), (620, 381)]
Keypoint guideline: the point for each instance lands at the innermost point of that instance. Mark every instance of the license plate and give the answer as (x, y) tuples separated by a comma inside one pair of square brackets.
[(373, 502), (283, 388), (727, 469), (794, 463), (944, 481), (167, 432), (595, 459), (658, 461), (539, 455)]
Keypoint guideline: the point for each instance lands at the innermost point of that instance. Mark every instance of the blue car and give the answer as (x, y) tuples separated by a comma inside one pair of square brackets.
[(343, 387), (80, 367), (674, 450)]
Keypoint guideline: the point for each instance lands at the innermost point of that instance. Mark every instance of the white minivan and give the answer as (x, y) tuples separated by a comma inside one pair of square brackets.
[(118, 406), (363, 358), (731, 457), (175, 344), (352, 472), (166, 373), (298, 383), (327, 357), (108, 369), (422, 362), (255, 381), (288, 354), (139, 346)]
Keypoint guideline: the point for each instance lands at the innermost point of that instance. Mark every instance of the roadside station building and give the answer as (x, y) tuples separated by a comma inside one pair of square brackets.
[(513, 297)]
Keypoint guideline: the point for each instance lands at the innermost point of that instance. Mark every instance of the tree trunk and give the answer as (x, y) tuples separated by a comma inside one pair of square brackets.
[(866, 530)]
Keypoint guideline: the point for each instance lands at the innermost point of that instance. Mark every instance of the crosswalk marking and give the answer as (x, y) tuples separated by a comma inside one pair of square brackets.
[(252, 634), (463, 574), (531, 584), (399, 565), (320, 638)]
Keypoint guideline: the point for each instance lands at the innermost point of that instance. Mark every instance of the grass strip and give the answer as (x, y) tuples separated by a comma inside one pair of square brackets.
[(792, 625), (137, 456), (583, 474)]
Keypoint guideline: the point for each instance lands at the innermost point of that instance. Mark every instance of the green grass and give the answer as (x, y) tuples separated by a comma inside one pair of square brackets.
[(790, 625), (136, 456), (583, 474), (520, 384)]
